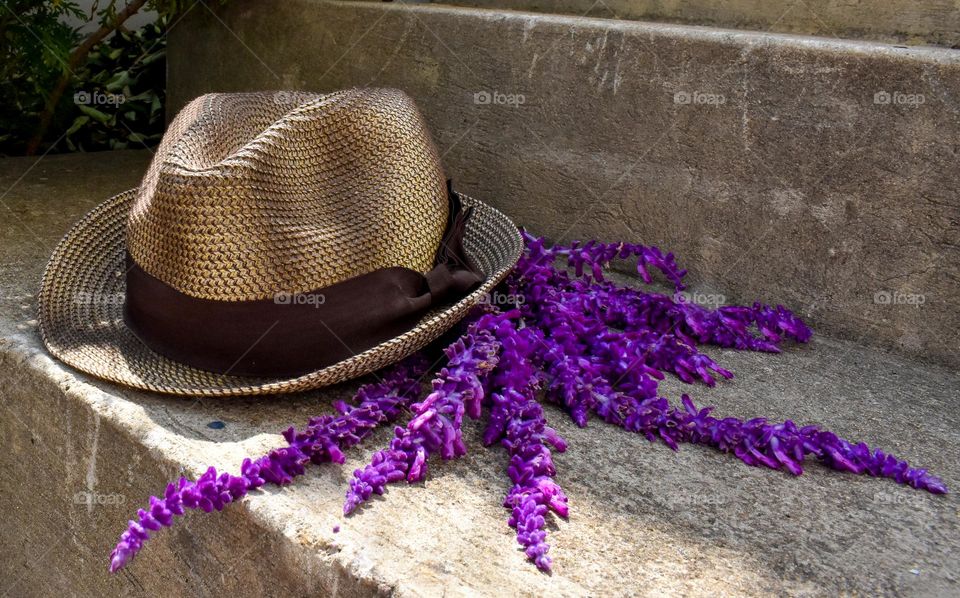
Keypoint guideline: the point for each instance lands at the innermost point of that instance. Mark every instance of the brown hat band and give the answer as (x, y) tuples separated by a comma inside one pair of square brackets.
[(292, 334)]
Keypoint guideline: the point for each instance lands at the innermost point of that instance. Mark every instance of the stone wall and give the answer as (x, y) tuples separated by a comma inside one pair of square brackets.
[(900, 21)]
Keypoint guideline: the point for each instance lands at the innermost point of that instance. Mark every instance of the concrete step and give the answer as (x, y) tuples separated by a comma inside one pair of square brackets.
[(818, 173), (80, 456), (896, 21)]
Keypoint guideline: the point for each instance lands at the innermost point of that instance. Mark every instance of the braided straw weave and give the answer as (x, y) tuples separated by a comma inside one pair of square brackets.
[(250, 195)]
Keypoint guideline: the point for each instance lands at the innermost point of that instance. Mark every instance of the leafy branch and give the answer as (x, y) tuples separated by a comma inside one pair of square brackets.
[(111, 21), (44, 57)]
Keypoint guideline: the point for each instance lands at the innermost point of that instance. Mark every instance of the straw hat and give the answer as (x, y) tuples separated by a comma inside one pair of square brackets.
[(279, 242)]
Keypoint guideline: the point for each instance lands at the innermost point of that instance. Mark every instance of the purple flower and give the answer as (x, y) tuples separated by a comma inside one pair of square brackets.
[(775, 445), (436, 424), (517, 421), (592, 347), (589, 259), (322, 440)]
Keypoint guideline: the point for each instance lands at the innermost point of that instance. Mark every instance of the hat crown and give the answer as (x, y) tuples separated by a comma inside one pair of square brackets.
[(254, 194)]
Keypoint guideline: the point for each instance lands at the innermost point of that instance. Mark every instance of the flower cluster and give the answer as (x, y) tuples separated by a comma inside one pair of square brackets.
[(598, 338), (517, 420), (436, 423), (594, 257), (592, 347), (323, 440), (757, 442)]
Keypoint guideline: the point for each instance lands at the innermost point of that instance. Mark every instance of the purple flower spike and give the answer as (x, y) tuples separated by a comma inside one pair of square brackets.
[(597, 301), (436, 422), (323, 440), (517, 420), (590, 259), (777, 446)]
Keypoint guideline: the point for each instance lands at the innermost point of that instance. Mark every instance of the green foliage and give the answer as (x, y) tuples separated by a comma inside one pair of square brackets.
[(118, 95), (34, 51)]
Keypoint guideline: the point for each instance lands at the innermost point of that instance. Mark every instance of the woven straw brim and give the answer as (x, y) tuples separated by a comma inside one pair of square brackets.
[(81, 323)]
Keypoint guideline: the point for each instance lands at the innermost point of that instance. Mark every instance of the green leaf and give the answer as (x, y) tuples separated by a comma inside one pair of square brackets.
[(77, 124), (119, 81), (153, 57), (93, 113), (140, 97)]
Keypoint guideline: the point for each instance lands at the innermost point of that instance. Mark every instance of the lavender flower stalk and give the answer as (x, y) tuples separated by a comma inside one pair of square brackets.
[(323, 440), (784, 445), (537, 278), (595, 256), (757, 442), (517, 421), (436, 422)]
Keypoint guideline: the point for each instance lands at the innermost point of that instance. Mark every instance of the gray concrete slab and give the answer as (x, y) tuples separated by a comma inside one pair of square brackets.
[(645, 520), (817, 172), (899, 21)]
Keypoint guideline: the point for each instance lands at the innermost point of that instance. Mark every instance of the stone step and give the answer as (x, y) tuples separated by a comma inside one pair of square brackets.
[(80, 456), (818, 173), (895, 21)]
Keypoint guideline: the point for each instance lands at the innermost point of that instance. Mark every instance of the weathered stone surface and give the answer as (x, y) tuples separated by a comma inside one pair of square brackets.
[(645, 520), (797, 188), (910, 21)]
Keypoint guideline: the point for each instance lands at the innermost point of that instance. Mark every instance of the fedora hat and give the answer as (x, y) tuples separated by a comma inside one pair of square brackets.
[(279, 242)]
